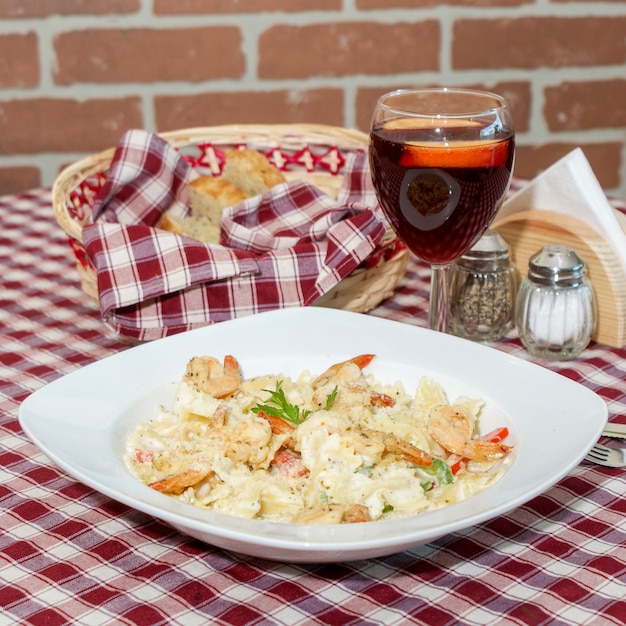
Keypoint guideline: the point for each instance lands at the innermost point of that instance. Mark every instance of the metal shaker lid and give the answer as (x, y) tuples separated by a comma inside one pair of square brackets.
[(487, 254), (556, 265)]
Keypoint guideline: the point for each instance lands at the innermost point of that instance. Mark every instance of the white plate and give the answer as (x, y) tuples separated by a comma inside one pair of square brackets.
[(81, 422)]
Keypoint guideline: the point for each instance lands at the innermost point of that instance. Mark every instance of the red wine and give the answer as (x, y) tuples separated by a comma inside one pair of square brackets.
[(440, 197)]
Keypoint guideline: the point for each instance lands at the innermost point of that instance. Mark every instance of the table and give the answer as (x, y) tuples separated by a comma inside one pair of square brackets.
[(70, 555)]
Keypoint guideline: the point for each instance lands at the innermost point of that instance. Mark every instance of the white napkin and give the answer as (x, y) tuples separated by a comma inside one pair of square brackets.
[(569, 186)]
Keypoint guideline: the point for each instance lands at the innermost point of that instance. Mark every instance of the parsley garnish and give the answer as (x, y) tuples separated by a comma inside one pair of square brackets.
[(330, 399), (279, 406)]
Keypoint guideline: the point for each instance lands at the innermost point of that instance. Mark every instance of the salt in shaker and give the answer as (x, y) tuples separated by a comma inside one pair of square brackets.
[(483, 284), (555, 314)]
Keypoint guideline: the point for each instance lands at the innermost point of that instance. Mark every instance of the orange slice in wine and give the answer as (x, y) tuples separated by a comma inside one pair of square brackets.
[(457, 154)]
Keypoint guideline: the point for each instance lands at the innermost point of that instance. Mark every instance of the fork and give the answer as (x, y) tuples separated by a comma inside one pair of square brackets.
[(610, 457)]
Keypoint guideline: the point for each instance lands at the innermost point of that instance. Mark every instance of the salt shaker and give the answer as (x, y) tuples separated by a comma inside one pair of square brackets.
[(483, 284), (555, 314)]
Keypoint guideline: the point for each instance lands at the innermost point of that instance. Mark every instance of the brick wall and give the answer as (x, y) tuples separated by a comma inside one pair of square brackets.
[(74, 74)]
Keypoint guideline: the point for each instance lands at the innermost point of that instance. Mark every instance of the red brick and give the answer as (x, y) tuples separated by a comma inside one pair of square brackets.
[(586, 105), (19, 61), (341, 49), (532, 42), (323, 106), (517, 93), (149, 55), (44, 8), (17, 179), (60, 125), (411, 4), (604, 158), (207, 7)]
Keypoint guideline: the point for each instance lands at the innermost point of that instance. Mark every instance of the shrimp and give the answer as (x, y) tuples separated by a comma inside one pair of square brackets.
[(177, 483), (344, 371), (218, 419), (288, 465), (407, 451), (280, 427), (248, 442), (380, 399), (207, 375), (375, 444), (355, 514), (452, 428), (349, 375)]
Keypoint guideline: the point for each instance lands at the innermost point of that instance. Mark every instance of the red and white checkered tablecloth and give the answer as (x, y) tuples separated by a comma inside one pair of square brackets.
[(70, 555)]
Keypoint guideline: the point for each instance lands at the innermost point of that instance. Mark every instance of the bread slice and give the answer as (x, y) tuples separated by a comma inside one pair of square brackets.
[(210, 195), (197, 227), (246, 173), (250, 170)]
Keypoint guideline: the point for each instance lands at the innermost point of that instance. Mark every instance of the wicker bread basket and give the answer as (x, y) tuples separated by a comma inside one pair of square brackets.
[(311, 152)]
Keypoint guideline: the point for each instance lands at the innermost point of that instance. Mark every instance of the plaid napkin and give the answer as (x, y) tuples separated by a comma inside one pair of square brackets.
[(285, 248)]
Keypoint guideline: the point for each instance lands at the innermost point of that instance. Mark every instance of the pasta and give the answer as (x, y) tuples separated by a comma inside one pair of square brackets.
[(335, 448)]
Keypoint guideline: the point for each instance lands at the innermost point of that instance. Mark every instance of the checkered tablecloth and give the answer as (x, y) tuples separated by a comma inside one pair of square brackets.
[(70, 555)]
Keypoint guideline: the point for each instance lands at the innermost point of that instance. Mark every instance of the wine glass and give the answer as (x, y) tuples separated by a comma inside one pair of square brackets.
[(441, 162)]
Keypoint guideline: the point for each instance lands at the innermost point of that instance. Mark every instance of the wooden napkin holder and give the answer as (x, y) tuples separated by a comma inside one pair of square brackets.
[(528, 231)]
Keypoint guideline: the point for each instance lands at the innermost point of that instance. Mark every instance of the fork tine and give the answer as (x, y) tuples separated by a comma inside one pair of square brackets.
[(598, 453), (601, 450), (610, 457)]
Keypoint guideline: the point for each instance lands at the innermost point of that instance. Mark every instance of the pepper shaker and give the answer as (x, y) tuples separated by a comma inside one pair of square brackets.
[(555, 305), (483, 284)]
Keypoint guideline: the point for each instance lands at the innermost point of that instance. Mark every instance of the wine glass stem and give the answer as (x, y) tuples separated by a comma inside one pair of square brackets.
[(439, 308)]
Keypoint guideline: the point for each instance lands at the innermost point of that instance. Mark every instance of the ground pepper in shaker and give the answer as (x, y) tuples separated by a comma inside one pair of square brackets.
[(483, 285), (555, 314)]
